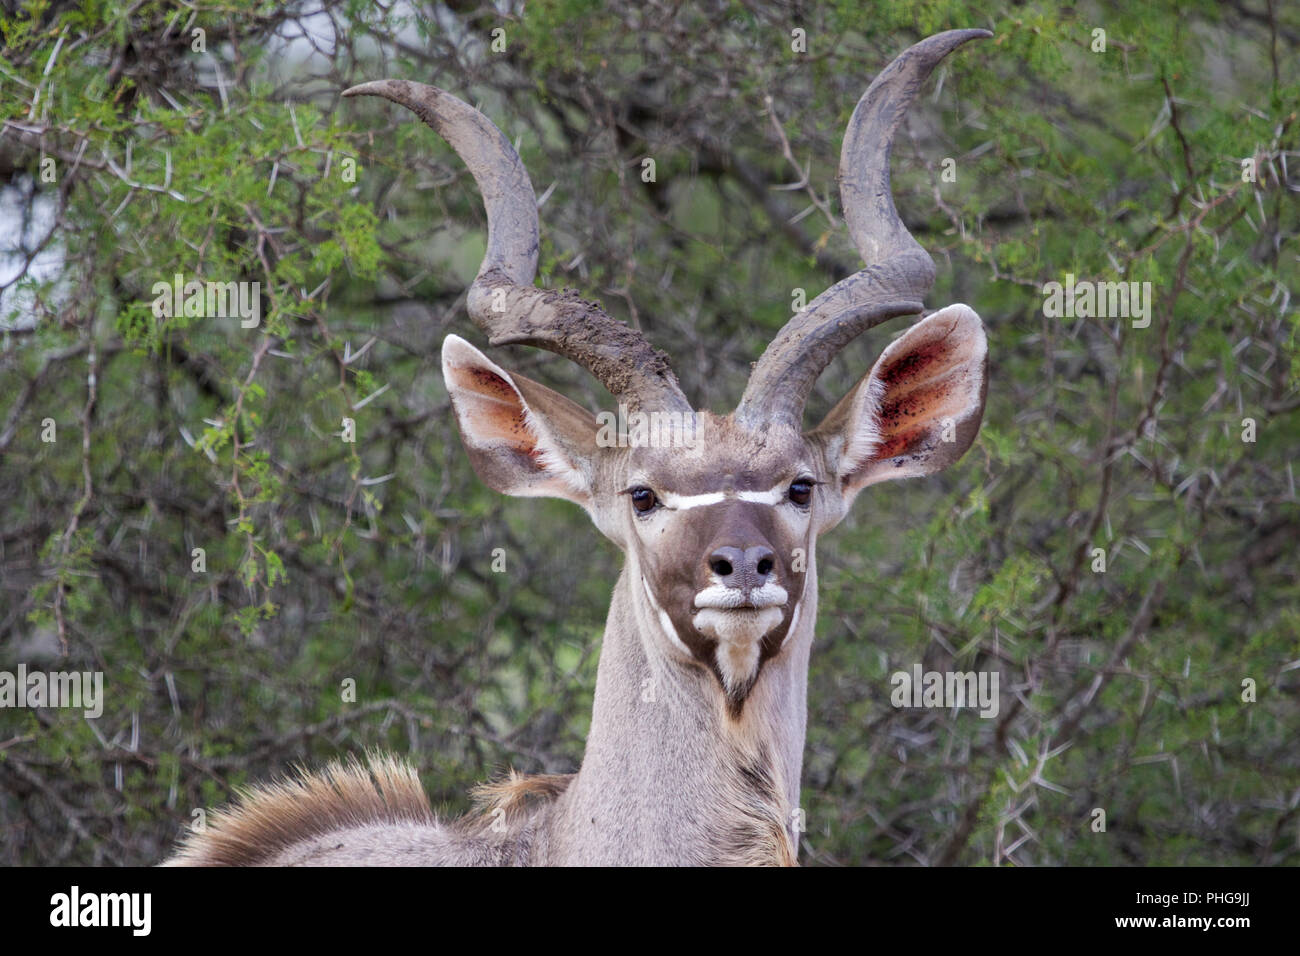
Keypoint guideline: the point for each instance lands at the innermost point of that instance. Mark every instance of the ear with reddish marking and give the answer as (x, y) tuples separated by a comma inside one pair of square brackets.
[(919, 408), (523, 438)]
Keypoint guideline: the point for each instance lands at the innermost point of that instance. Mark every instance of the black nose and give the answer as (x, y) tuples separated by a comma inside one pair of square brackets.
[(744, 569)]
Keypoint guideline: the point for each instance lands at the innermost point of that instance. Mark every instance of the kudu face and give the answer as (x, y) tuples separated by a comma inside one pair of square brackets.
[(718, 516), (718, 537)]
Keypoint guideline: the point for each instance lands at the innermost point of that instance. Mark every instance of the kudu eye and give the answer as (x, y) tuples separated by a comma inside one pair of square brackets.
[(643, 499), (801, 491)]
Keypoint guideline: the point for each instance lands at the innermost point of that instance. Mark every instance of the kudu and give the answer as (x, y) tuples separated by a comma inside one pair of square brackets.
[(697, 732)]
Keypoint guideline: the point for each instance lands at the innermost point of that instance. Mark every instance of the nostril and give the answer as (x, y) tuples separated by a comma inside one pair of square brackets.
[(724, 562), (762, 560)]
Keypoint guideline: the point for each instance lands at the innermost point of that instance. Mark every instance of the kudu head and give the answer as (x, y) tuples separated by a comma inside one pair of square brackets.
[(718, 516)]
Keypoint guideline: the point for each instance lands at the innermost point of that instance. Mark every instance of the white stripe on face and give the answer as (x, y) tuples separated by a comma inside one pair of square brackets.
[(794, 615), (664, 620), (794, 622), (683, 502), (773, 496)]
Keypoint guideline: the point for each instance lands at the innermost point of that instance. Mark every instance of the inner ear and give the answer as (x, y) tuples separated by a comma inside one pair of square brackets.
[(920, 406), (523, 438)]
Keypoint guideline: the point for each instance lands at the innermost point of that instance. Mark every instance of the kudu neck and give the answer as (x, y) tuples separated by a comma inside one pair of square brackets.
[(669, 777)]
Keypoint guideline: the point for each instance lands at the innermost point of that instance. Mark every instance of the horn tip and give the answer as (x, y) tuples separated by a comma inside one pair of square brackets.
[(944, 43), (385, 88), (364, 89), (971, 33)]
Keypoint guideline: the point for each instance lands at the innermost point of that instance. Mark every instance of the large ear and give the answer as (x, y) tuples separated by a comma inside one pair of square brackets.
[(919, 408), (523, 438)]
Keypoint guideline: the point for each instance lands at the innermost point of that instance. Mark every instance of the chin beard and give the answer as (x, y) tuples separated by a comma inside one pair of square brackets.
[(739, 637)]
